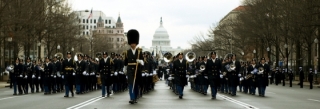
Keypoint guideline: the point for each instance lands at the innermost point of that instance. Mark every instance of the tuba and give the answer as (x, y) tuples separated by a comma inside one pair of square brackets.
[(167, 57), (58, 55), (75, 58), (190, 56), (202, 67)]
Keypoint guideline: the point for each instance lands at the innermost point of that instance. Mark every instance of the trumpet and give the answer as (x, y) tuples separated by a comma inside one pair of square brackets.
[(261, 70), (248, 76), (202, 67), (190, 56)]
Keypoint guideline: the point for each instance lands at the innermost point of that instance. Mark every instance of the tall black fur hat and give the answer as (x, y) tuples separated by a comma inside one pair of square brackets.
[(133, 36)]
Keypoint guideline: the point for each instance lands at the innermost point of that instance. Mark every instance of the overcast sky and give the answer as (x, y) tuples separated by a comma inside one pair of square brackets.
[(183, 19)]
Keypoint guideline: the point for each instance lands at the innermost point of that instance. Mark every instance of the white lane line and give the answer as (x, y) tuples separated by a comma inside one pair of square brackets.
[(88, 103), (271, 92), (247, 106), (314, 100), (92, 99), (11, 97)]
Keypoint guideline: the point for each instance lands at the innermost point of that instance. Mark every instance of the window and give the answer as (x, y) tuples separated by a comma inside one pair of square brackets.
[(99, 31), (87, 21), (87, 32), (83, 33), (90, 27), (90, 20), (111, 39), (94, 27), (83, 21), (87, 27), (113, 26), (84, 27), (106, 21), (118, 40), (94, 21), (79, 20), (109, 21)]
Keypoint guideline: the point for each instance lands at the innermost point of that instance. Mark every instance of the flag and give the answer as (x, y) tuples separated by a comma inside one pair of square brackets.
[(90, 14)]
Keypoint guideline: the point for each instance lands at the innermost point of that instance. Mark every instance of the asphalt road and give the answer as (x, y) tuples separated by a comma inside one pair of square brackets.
[(277, 97)]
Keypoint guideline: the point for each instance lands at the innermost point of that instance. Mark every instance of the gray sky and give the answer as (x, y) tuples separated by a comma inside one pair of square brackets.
[(183, 19)]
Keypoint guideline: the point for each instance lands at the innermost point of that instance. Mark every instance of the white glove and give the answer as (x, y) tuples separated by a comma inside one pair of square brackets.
[(239, 75), (150, 74), (168, 70), (125, 69), (154, 72), (26, 76), (221, 76), (33, 76), (84, 73), (58, 73), (98, 76), (21, 76), (62, 77), (206, 77), (187, 76), (54, 76), (143, 74), (51, 75), (39, 77), (111, 75), (252, 72), (195, 76), (241, 79), (87, 74), (93, 73), (140, 62), (73, 74), (269, 76), (170, 78), (115, 73)]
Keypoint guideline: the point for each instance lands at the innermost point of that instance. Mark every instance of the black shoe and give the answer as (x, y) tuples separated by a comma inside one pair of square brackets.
[(108, 95), (72, 94), (103, 95), (66, 96), (131, 102), (14, 94), (135, 101), (180, 97), (213, 98)]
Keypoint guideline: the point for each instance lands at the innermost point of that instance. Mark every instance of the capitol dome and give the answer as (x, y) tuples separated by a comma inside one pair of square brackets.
[(161, 32), (161, 36)]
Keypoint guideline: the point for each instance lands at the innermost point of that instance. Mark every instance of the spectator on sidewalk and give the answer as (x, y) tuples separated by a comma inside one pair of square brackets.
[(290, 74), (310, 78)]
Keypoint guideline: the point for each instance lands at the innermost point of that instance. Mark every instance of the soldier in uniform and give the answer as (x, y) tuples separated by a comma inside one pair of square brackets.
[(277, 76), (262, 77), (252, 79), (80, 72), (115, 83), (234, 75), (68, 67), (133, 62), (48, 71), (204, 77), (301, 77), (29, 71), (58, 82), (290, 74), (212, 70), (17, 76), (180, 74), (310, 77), (223, 77), (106, 69)]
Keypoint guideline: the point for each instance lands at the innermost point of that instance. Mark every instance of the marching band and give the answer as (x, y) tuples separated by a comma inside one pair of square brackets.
[(136, 71)]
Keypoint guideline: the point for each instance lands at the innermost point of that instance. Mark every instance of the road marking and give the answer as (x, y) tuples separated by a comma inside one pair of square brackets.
[(72, 107), (314, 100), (89, 103), (247, 106), (11, 97)]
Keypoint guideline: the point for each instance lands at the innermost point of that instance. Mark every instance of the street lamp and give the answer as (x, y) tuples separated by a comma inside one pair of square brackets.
[(39, 50), (268, 49), (254, 53), (58, 47), (242, 53), (286, 47), (72, 49), (316, 41), (10, 40)]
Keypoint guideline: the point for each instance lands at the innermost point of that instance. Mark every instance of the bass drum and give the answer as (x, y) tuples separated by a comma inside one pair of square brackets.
[(155, 78)]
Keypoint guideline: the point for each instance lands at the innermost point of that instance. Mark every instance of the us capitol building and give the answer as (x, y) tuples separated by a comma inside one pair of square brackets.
[(161, 42)]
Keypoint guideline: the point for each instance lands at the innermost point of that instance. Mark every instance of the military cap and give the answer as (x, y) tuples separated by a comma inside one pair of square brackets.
[(85, 55), (310, 69), (80, 55), (213, 52), (105, 53), (133, 36), (47, 58), (180, 53), (68, 52), (112, 53), (28, 58), (18, 59), (262, 58)]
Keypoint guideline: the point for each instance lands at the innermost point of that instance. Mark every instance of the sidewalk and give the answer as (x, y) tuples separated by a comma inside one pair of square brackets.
[(3, 84), (304, 84)]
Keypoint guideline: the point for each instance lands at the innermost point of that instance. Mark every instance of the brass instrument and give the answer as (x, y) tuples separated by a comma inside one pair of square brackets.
[(224, 73), (168, 57), (190, 56), (58, 55), (10, 68), (202, 67), (98, 55), (260, 70), (248, 76)]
